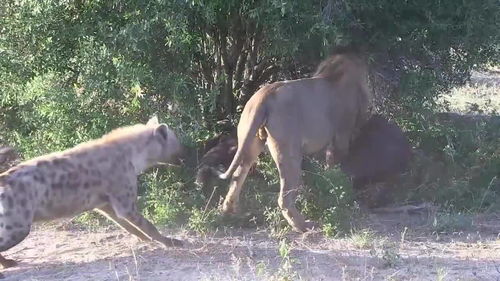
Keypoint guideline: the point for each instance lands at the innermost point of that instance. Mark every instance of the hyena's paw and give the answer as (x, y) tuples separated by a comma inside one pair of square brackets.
[(6, 263), (171, 242)]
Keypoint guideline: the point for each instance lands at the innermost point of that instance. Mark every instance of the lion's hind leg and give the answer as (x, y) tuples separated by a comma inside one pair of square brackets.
[(288, 158), (231, 202)]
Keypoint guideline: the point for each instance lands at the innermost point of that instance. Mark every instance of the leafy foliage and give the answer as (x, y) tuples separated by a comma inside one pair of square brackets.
[(328, 198), (73, 70), (463, 170)]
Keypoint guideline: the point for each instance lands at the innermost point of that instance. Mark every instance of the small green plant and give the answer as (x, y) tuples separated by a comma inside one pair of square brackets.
[(275, 221), (390, 255), (91, 220), (162, 201), (441, 274), (327, 198), (286, 272), (364, 239), (329, 229), (387, 251), (260, 269), (203, 221)]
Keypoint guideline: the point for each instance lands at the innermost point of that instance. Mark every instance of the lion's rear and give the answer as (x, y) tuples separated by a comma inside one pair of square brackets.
[(252, 119)]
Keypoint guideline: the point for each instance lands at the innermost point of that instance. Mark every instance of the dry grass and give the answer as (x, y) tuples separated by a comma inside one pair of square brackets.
[(389, 252)]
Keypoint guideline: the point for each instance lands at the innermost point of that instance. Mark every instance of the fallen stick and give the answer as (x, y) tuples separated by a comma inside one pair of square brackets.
[(405, 209)]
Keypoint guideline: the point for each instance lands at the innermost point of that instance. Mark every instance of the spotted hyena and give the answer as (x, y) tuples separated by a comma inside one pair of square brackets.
[(100, 174)]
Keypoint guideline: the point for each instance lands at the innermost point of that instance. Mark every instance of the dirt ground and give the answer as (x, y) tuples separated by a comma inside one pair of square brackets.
[(401, 246)]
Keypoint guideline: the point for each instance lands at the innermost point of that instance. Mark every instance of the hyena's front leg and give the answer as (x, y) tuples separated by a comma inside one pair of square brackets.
[(110, 213), (125, 209)]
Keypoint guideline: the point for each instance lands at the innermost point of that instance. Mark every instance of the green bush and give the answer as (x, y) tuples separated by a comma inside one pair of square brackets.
[(49, 116), (460, 167), (71, 71), (162, 197), (328, 198)]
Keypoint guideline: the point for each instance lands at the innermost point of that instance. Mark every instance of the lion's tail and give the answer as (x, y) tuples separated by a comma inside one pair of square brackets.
[(256, 114)]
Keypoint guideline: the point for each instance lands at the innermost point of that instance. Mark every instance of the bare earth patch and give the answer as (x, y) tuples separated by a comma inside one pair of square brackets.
[(401, 247)]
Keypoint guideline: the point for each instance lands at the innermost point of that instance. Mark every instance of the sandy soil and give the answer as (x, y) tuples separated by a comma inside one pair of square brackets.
[(402, 247)]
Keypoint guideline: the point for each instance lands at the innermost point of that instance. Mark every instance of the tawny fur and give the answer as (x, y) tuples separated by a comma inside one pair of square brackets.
[(300, 117), (100, 174)]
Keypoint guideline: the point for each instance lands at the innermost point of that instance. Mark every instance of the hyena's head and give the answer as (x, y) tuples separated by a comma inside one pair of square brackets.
[(163, 145)]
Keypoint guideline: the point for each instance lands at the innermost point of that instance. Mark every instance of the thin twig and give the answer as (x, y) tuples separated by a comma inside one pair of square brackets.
[(209, 199)]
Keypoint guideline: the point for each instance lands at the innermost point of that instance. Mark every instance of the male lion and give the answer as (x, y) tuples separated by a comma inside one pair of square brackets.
[(300, 117)]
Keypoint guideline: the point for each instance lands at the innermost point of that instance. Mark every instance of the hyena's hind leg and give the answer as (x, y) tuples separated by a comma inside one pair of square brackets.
[(6, 263), (8, 240), (11, 235), (15, 225), (125, 208)]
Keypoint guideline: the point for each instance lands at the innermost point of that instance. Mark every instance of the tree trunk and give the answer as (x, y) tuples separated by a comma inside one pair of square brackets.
[(228, 96)]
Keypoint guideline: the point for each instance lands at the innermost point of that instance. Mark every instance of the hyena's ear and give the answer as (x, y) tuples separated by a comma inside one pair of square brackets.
[(153, 120), (162, 131)]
